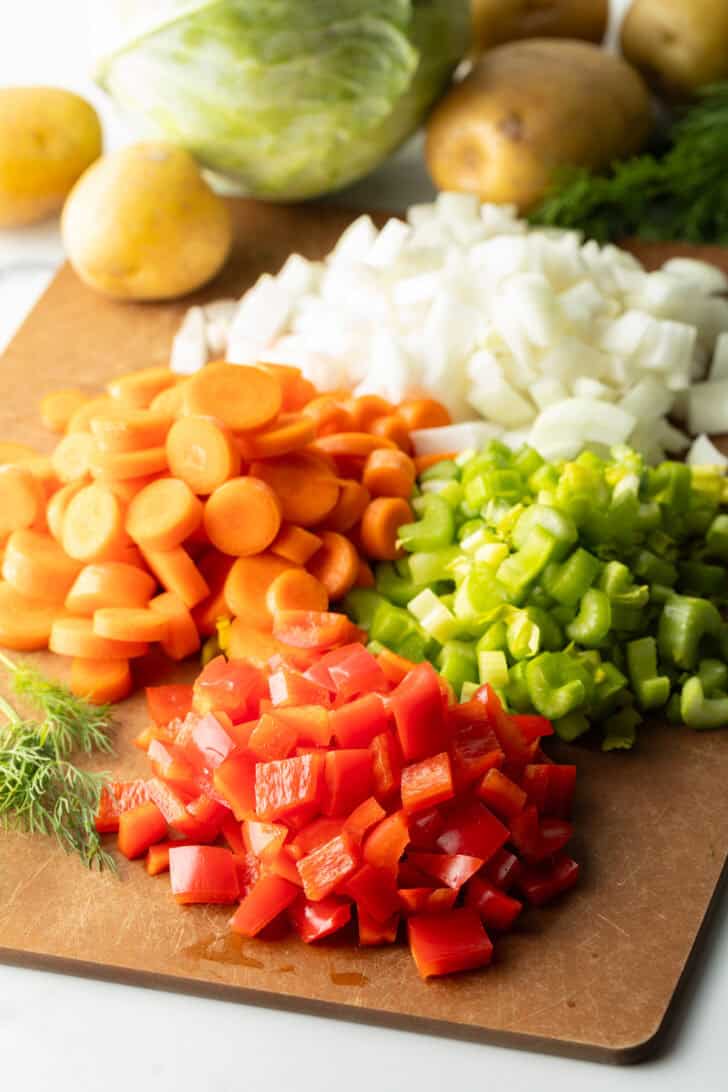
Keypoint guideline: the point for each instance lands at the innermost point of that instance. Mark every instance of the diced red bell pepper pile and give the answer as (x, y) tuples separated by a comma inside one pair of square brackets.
[(353, 784)]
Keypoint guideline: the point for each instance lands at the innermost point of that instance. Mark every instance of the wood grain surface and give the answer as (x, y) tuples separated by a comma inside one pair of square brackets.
[(591, 976)]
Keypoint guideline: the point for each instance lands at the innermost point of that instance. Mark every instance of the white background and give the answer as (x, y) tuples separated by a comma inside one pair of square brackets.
[(77, 1035)]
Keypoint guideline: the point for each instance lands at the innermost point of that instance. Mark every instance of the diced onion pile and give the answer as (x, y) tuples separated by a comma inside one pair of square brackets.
[(530, 335)]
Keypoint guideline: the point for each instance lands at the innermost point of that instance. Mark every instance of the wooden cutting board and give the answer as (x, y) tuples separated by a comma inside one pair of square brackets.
[(593, 976)]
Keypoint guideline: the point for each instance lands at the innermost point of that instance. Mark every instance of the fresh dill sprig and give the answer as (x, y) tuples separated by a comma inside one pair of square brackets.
[(41, 790), (678, 194)]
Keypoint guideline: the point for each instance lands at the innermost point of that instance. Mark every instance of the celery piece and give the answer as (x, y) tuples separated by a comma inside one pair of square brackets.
[(557, 684), (558, 525), (620, 730), (445, 470), (493, 668), (458, 663), (571, 726), (434, 528), (519, 570), (716, 538), (651, 690), (478, 593), (428, 568), (551, 633), (594, 620), (684, 621), (699, 711), (494, 638), (713, 675), (394, 587), (433, 616), (361, 603), (523, 636), (567, 582), (700, 578), (516, 691)]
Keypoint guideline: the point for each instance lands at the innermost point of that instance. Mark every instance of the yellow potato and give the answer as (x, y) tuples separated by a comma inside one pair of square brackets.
[(142, 224), (48, 137), (530, 107), (498, 21), (677, 45)]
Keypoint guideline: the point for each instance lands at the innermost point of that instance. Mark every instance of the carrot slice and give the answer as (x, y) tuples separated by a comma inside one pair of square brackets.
[(329, 416), (101, 681), (242, 517), (75, 637), (306, 495), (379, 526), (36, 566), (120, 465), (109, 584), (202, 454), (41, 467), (81, 419), (296, 590), (289, 432), (295, 390), (182, 639), (130, 624), (239, 396), (170, 402), (365, 410), (128, 488), (58, 407), (257, 647), (163, 514), (392, 428), (247, 585), (72, 457), (22, 500), (10, 452), (336, 565), (176, 572), (25, 624), (57, 505), (424, 462), (357, 444), (353, 499), (131, 430), (137, 389), (295, 544), (214, 567), (389, 474), (423, 413), (93, 526), (364, 575)]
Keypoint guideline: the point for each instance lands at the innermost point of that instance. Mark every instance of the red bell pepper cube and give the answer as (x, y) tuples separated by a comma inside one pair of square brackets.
[(231, 686), (502, 795), (445, 943), (386, 764), (470, 828), (387, 841), (373, 932), (232, 832), (263, 839), (203, 874), (272, 738), (348, 780), (248, 869), (512, 740), (555, 833), (140, 828), (209, 743), (283, 863), (497, 909), (357, 723), (373, 890), (503, 869), (117, 797), (357, 672), (315, 920), (208, 815), (157, 860), (532, 726), (419, 715), (363, 817), (452, 870), (550, 787), (170, 764), (474, 747), (393, 666), (234, 779), (543, 882), (173, 807), (526, 834), (314, 629), (424, 828), (326, 868), (263, 903), (311, 723), (291, 688), (426, 900), (285, 787), (168, 703), (315, 834), (427, 783)]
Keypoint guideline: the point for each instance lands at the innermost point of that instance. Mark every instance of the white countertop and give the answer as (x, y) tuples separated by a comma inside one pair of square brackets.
[(80, 1035)]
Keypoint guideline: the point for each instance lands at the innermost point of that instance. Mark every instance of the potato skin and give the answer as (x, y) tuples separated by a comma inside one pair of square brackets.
[(528, 108), (498, 21), (48, 137), (677, 45), (142, 224)]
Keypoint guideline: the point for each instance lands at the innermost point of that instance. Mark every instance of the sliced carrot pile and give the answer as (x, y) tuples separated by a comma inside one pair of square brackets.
[(172, 505)]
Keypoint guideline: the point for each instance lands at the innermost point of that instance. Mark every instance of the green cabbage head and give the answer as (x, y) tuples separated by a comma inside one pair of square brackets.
[(291, 98)]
